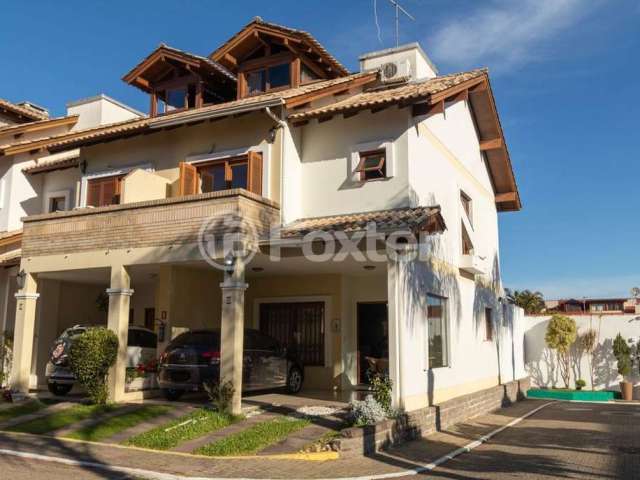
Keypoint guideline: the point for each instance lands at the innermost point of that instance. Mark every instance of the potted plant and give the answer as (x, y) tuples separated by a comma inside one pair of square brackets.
[(622, 352), (580, 384)]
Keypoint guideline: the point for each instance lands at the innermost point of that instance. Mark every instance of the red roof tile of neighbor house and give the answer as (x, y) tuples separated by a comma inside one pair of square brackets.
[(428, 219), (258, 24), (38, 125), (23, 110)]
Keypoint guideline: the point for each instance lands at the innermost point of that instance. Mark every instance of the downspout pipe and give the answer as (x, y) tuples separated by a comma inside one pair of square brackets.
[(279, 124)]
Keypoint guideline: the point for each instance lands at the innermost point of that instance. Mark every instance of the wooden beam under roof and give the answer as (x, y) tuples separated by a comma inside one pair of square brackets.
[(506, 197), (492, 144)]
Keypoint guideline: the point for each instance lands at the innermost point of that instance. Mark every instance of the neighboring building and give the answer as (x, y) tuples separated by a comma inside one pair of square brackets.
[(272, 130), (22, 195), (594, 305)]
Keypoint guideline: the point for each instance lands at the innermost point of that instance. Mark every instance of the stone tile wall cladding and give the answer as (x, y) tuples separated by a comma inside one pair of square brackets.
[(356, 441), (171, 221)]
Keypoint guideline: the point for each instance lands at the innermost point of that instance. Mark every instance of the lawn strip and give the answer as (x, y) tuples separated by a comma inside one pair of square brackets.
[(195, 424), (26, 408), (108, 427), (254, 439), (61, 419)]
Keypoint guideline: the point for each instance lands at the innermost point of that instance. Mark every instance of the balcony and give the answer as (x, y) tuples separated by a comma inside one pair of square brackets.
[(171, 221), (473, 264)]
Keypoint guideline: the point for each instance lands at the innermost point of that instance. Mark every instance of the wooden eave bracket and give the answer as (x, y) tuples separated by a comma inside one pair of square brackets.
[(506, 197), (492, 144)]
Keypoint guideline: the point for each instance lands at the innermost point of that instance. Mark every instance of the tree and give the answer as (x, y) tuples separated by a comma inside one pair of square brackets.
[(91, 356), (531, 302), (588, 342), (622, 352), (561, 334)]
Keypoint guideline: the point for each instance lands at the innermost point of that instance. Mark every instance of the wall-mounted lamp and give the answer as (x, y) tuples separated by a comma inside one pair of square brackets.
[(20, 279), (83, 166)]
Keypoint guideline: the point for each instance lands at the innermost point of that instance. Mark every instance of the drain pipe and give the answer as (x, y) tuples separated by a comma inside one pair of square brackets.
[(279, 124)]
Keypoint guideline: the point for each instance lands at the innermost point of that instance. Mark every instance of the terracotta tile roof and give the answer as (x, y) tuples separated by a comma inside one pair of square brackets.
[(137, 125), (25, 111), (11, 258), (67, 161), (379, 97), (413, 219), (292, 32), (37, 125), (211, 63)]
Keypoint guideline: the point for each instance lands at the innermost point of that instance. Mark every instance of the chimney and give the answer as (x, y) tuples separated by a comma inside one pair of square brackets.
[(406, 62)]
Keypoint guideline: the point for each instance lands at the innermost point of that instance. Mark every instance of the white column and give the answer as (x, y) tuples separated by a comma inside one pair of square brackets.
[(23, 336), (232, 333), (118, 322)]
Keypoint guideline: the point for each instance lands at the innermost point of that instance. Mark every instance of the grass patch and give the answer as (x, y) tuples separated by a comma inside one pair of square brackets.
[(195, 424), (62, 419), (32, 406), (113, 425), (255, 438)]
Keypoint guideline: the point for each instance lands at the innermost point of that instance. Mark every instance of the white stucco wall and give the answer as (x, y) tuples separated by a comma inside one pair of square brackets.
[(541, 362)]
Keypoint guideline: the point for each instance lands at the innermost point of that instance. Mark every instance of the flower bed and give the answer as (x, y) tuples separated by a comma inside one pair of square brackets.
[(567, 394)]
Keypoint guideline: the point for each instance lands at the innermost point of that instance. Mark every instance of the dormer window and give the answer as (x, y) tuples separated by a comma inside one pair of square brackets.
[(271, 78), (372, 165)]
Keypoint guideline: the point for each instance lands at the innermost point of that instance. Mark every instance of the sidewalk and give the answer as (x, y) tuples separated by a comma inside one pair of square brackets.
[(396, 461)]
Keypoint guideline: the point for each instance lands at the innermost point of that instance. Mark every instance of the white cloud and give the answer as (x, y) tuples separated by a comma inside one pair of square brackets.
[(504, 34)]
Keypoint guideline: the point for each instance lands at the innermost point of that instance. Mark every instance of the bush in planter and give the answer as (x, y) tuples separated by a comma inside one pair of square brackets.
[(381, 385), (580, 384), (91, 356), (6, 357), (366, 412), (560, 335)]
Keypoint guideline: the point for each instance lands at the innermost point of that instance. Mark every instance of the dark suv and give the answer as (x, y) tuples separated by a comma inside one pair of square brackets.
[(193, 358)]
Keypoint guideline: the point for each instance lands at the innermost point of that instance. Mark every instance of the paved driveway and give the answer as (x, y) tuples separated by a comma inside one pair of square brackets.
[(562, 440)]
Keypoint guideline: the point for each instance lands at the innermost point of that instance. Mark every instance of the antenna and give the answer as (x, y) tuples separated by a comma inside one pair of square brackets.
[(399, 9)]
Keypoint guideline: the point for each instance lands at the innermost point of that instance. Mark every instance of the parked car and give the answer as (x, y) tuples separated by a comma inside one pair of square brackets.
[(193, 358), (141, 349)]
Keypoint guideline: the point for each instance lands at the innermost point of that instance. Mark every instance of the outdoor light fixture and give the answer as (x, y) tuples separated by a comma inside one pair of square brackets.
[(83, 166), (20, 277), (229, 260)]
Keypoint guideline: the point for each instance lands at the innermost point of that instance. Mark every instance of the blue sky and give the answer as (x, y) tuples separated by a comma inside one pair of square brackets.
[(564, 72)]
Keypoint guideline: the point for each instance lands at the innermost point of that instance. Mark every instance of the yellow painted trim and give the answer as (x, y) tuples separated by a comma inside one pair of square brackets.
[(423, 130), (300, 456)]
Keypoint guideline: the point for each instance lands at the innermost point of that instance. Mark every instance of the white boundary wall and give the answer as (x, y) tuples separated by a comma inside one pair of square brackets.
[(541, 363)]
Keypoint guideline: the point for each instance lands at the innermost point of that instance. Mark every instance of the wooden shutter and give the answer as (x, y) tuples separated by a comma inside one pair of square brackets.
[(207, 181), (104, 191), (188, 180), (93, 193), (254, 174)]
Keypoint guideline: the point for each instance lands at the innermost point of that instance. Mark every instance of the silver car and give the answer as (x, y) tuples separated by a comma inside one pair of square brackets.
[(141, 349)]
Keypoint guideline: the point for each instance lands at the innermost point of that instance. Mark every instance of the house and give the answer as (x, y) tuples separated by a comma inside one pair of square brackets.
[(593, 305), (362, 208), (21, 194)]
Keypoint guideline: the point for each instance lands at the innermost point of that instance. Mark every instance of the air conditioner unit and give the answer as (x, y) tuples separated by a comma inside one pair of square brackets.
[(395, 71)]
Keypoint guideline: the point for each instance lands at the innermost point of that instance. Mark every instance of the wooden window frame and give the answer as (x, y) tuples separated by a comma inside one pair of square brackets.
[(53, 198), (467, 206), (381, 167), (446, 357), (228, 170), (118, 177)]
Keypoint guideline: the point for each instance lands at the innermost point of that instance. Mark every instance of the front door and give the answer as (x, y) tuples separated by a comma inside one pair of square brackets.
[(373, 340)]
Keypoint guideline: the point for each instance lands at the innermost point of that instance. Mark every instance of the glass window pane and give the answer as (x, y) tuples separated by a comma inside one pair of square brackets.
[(279, 76), (175, 99), (239, 175), (256, 81), (437, 332)]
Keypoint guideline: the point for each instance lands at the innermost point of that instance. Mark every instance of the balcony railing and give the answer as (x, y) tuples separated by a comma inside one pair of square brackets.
[(170, 221)]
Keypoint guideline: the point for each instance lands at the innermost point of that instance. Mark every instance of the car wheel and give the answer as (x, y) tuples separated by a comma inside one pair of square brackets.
[(294, 380), (58, 389), (172, 394)]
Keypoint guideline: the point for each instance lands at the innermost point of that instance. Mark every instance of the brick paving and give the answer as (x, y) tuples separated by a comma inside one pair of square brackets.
[(563, 440)]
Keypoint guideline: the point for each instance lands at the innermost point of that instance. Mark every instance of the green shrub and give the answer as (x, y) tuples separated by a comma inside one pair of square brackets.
[(381, 385), (220, 395), (561, 334), (91, 356), (580, 384), (622, 352)]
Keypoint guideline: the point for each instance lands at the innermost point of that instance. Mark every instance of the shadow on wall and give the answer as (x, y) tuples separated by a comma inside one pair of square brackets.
[(542, 365)]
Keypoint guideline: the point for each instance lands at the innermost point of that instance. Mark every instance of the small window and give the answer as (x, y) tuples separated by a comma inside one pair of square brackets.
[(488, 324), (437, 332), (467, 206), (256, 82), (223, 175), (467, 245), (57, 204), (104, 191), (372, 165), (279, 76), (175, 99)]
